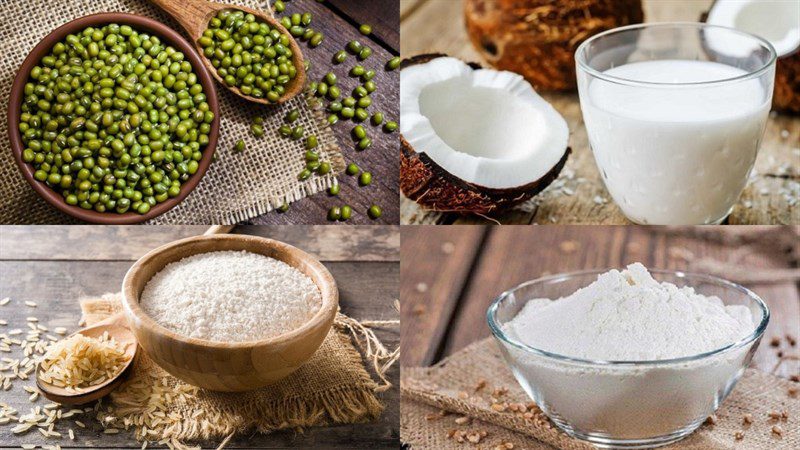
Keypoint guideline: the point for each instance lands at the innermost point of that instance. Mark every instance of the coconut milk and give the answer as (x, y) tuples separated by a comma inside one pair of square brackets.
[(673, 153)]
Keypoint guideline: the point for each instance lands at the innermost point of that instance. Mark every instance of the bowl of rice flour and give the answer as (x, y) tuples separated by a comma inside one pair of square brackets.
[(628, 358), (229, 312)]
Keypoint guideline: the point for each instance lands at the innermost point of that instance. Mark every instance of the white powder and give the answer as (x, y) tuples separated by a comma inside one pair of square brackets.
[(230, 296), (629, 316)]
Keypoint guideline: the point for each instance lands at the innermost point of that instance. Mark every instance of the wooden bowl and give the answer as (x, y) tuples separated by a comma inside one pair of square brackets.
[(140, 23), (228, 366)]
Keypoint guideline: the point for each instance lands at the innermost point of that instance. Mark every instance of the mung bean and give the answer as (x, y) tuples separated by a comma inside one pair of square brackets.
[(347, 212), (374, 212)]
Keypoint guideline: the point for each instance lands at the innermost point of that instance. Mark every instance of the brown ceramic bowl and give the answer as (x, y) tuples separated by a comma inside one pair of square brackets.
[(228, 366), (140, 23)]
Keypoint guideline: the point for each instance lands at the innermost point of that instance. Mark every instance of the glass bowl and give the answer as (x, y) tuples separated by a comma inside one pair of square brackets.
[(626, 404)]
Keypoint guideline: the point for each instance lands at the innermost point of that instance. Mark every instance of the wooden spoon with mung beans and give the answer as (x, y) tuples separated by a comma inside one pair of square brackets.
[(194, 16)]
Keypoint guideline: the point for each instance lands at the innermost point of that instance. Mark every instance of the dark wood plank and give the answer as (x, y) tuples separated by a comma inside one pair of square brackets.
[(352, 243), (435, 263), (378, 14), (381, 158), (512, 255), (368, 291)]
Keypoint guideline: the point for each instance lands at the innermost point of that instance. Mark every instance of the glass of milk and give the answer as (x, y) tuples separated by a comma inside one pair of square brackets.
[(675, 113)]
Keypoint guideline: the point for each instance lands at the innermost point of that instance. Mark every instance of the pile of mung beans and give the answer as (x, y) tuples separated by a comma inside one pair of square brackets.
[(250, 55), (342, 107), (114, 119)]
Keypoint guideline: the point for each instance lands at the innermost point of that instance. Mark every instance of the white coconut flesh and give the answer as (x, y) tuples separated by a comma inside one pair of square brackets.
[(777, 21), (486, 127)]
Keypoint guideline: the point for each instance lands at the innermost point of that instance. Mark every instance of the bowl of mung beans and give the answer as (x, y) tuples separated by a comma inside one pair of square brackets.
[(113, 118)]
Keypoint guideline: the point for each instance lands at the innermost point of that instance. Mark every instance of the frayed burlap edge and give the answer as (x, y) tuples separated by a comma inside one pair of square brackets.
[(756, 393), (356, 402)]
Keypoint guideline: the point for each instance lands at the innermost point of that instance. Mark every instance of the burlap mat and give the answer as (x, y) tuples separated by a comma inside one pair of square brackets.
[(426, 391), (332, 387), (236, 187)]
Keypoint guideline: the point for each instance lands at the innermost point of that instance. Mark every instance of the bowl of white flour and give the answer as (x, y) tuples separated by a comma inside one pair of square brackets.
[(229, 312), (628, 358)]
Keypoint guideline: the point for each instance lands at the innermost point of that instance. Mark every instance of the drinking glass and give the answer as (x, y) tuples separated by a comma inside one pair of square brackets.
[(675, 114)]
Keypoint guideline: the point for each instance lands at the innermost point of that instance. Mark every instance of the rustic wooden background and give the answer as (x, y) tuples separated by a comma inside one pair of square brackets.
[(339, 21), (765, 196), (56, 265), (451, 275)]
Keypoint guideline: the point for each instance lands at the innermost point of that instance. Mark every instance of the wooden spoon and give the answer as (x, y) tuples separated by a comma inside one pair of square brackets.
[(117, 327), (194, 15)]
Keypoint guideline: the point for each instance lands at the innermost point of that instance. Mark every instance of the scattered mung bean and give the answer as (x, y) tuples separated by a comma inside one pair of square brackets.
[(374, 212), (365, 143), (393, 63), (330, 78), (311, 142), (340, 57), (297, 132), (364, 53), (359, 132), (354, 47), (347, 212)]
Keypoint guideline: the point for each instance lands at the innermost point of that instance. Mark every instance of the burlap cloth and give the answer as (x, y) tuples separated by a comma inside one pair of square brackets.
[(332, 387), (236, 187), (426, 391)]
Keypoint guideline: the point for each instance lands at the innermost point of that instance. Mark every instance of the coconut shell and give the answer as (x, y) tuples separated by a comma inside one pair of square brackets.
[(786, 97), (786, 94), (427, 183), (538, 38)]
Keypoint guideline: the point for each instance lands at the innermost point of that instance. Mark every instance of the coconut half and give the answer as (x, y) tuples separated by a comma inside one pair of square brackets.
[(777, 21), (475, 140)]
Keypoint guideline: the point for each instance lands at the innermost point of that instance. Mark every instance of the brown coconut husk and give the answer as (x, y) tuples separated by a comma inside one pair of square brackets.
[(538, 38), (786, 95), (427, 183)]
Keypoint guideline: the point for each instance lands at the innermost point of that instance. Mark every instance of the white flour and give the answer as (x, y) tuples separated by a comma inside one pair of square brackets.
[(629, 316), (230, 296)]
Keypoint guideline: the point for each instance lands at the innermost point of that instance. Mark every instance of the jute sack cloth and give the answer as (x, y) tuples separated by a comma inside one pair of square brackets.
[(332, 387), (426, 391), (236, 187)]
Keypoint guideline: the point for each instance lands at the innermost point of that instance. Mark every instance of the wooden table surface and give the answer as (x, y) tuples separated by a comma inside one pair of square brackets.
[(339, 21), (55, 266), (764, 201), (451, 275)]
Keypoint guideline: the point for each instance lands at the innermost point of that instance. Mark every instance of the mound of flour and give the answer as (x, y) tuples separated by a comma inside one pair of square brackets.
[(629, 316), (230, 296)]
